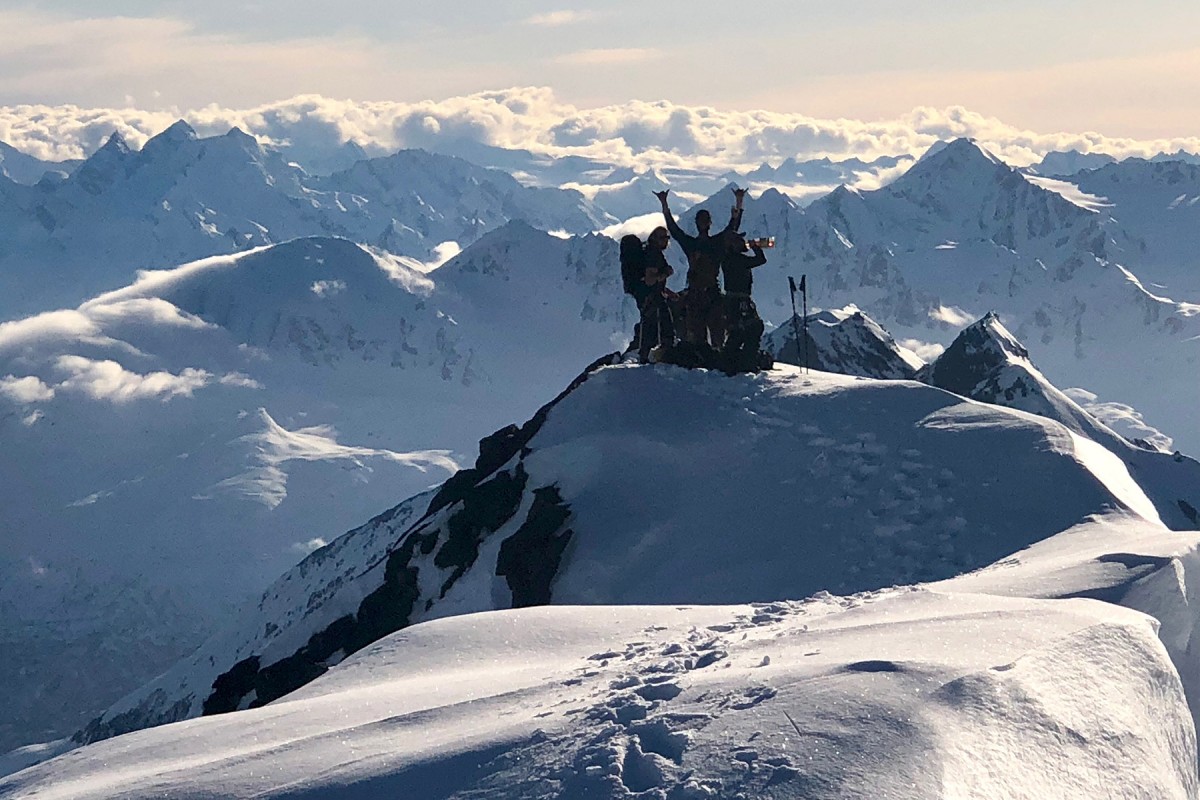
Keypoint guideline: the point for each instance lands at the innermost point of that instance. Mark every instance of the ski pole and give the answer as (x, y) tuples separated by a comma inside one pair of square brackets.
[(795, 324), (804, 294)]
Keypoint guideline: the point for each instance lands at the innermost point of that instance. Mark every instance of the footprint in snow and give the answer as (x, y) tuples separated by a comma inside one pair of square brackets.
[(752, 696)]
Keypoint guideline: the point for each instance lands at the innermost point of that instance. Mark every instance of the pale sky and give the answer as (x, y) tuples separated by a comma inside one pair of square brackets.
[(1118, 67)]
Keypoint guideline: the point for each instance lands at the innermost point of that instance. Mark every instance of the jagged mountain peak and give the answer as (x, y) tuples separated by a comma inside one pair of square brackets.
[(961, 158), (238, 134), (772, 197), (170, 141), (987, 363), (115, 143), (178, 131), (980, 348), (845, 341)]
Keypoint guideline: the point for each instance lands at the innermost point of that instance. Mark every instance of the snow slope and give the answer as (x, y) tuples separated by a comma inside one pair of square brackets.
[(791, 483), (1158, 203), (22, 168), (901, 693), (985, 362)]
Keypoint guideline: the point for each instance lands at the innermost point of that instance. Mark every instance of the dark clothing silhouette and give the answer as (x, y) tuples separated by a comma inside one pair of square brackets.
[(656, 326), (704, 253), (744, 325), (737, 270)]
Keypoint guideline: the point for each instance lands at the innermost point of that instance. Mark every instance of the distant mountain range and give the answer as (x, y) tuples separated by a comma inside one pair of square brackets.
[(174, 441)]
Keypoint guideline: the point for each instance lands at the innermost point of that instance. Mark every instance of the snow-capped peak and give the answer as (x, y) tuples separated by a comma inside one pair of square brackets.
[(987, 363), (963, 157), (178, 131)]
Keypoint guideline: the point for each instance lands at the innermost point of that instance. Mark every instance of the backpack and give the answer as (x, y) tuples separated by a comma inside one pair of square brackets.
[(633, 264)]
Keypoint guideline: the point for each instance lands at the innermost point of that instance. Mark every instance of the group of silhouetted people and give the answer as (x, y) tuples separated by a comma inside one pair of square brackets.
[(700, 326)]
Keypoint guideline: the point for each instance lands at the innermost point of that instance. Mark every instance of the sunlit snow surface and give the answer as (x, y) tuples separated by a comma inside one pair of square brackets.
[(1070, 192), (901, 693), (985, 685)]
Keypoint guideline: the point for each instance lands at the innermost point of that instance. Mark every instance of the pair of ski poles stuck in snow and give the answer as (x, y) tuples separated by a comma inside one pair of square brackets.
[(803, 288)]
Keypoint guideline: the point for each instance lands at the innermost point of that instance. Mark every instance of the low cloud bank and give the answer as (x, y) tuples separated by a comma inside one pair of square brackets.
[(637, 134)]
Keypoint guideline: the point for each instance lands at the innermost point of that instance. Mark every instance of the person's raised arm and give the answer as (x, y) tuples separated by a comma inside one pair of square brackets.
[(735, 216), (676, 232), (758, 259)]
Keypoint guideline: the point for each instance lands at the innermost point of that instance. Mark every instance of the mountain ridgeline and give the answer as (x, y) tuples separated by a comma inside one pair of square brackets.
[(779, 484)]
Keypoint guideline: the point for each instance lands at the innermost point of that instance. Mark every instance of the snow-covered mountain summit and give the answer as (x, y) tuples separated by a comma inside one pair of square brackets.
[(960, 234), (985, 362), (845, 341), (885, 475), (25, 169)]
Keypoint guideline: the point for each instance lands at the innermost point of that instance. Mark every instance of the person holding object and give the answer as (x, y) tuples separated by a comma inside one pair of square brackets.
[(704, 312), (745, 326)]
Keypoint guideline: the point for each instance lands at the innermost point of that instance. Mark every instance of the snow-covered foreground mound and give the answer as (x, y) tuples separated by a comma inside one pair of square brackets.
[(899, 694), (662, 485)]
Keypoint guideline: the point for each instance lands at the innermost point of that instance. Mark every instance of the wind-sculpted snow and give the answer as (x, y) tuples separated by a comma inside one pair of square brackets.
[(777, 485), (900, 693)]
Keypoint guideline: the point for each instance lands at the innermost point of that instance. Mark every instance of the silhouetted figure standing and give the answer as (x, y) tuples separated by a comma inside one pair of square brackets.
[(745, 326), (656, 327), (704, 312)]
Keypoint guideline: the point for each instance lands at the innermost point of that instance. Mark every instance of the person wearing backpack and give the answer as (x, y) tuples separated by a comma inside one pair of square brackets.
[(704, 311), (633, 271), (644, 273), (657, 325)]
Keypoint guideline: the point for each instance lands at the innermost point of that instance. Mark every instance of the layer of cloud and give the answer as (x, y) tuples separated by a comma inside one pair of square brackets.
[(637, 133), (108, 380), (25, 390)]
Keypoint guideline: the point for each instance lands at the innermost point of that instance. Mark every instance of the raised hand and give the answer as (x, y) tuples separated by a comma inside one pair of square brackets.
[(662, 196), (740, 194)]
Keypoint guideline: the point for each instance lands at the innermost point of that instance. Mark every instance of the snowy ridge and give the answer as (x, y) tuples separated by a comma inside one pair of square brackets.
[(25, 169), (888, 500), (985, 362), (961, 233), (845, 341)]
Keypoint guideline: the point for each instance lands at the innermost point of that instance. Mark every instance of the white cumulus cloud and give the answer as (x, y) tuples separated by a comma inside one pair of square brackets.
[(108, 380), (637, 133), (26, 390)]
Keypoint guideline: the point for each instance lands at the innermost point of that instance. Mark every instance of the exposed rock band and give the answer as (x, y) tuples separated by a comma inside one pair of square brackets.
[(700, 326)]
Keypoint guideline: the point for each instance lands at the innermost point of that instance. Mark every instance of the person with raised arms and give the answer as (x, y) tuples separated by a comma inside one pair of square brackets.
[(704, 311)]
